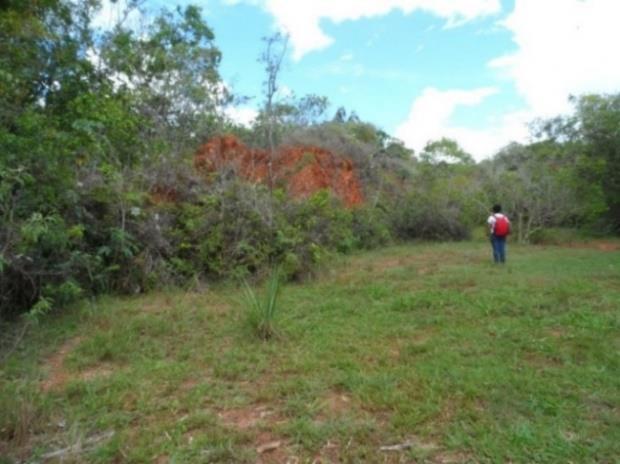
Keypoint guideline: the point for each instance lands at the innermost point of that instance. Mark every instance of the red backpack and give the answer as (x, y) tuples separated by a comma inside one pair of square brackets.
[(502, 226)]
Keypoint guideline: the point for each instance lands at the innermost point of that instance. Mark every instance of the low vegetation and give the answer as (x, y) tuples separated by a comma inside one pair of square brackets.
[(424, 352)]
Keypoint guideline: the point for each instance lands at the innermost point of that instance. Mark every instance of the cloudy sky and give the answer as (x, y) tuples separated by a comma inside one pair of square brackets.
[(473, 70)]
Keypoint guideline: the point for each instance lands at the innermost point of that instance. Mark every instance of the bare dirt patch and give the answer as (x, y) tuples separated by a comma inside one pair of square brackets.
[(271, 450), (600, 245), (422, 263), (329, 453), (336, 404), (542, 361), (155, 308), (397, 452), (451, 458), (427, 270), (260, 419), (556, 332), (95, 372), (245, 418), (608, 246), (59, 375), (429, 449), (189, 384), (389, 263)]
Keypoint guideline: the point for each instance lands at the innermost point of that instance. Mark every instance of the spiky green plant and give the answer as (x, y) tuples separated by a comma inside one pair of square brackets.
[(262, 313)]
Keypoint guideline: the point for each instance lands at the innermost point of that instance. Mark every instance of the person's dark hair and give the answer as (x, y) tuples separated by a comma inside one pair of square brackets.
[(497, 208)]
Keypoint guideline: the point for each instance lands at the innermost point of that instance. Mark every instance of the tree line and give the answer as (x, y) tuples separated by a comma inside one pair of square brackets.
[(92, 122)]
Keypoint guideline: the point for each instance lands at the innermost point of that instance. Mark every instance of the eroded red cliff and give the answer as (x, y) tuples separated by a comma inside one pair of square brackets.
[(302, 170)]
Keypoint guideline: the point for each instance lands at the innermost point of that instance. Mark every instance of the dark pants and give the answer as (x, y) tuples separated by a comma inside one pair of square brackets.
[(499, 249)]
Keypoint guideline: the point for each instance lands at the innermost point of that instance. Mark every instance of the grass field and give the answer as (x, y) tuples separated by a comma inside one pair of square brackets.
[(429, 350)]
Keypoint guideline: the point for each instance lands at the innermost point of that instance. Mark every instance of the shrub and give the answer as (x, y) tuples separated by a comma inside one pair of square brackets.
[(429, 218), (556, 236), (261, 314)]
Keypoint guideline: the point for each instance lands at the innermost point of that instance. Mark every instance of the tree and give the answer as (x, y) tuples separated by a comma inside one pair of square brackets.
[(169, 72), (272, 57), (80, 115), (309, 110), (591, 138), (340, 116), (598, 122), (539, 186), (445, 151)]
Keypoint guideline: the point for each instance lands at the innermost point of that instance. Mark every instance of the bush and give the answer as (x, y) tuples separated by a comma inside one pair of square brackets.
[(370, 227), (431, 219), (557, 236)]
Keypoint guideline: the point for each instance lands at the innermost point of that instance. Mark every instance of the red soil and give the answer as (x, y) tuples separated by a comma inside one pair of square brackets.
[(302, 170)]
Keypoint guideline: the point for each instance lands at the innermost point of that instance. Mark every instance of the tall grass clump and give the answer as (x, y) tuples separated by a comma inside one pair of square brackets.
[(262, 312)]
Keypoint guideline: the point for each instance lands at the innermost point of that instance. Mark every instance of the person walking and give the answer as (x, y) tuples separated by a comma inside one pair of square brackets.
[(499, 228)]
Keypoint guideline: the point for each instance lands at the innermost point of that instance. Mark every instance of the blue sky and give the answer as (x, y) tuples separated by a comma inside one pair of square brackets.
[(473, 70)]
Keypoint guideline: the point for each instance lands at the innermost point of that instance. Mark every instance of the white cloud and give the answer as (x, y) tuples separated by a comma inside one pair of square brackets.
[(429, 119), (484, 143), (301, 19), (243, 115), (564, 47)]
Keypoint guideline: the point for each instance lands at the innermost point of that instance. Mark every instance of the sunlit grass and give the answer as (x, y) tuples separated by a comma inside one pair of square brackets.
[(430, 346)]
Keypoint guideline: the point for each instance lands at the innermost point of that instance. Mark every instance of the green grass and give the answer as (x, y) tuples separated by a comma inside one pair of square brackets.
[(430, 345)]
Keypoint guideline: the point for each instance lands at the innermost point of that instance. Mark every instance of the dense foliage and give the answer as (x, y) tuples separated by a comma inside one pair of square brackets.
[(97, 193)]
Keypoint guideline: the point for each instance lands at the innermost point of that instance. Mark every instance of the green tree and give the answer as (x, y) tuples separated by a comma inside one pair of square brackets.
[(445, 151), (82, 117), (170, 74), (540, 185), (598, 123)]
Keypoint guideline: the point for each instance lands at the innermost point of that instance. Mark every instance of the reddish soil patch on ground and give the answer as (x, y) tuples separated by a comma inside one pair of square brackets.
[(302, 170), (259, 418), (244, 418), (58, 373), (606, 246), (273, 451), (600, 245)]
